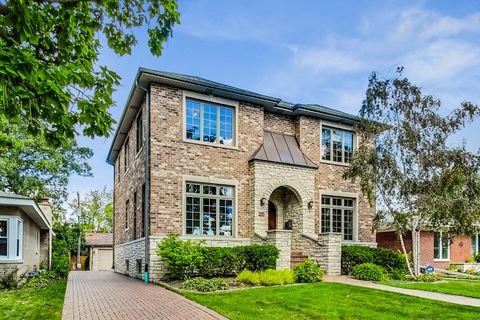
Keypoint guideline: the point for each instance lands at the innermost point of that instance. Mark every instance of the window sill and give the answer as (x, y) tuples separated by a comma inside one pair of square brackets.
[(441, 260), (12, 261), (210, 144), (341, 164)]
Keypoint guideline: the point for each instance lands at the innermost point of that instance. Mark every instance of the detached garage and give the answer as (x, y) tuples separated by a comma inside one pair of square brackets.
[(100, 251)]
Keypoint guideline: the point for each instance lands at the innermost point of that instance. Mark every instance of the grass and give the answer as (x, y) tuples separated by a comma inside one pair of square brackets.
[(33, 303), (468, 288), (328, 301)]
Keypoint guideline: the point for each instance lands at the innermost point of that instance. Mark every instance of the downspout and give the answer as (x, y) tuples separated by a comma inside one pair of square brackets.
[(147, 182)]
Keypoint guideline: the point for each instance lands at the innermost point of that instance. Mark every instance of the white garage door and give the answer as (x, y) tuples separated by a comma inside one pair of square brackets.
[(105, 259)]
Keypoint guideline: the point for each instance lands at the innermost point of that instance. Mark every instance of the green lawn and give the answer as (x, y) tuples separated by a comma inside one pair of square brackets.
[(33, 303), (328, 301), (458, 287)]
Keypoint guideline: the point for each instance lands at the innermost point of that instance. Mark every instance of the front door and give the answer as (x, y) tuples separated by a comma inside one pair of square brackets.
[(272, 216)]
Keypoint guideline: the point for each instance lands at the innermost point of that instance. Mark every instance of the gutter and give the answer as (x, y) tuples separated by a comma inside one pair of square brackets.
[(147, 181)]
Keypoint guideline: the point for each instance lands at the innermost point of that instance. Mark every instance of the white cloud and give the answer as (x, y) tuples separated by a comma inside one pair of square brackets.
[(329, 60)]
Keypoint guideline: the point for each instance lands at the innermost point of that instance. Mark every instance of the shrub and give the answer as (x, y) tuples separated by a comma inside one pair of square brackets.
[(205, 285), (429, 277), (393, 262), (477, 257), (269, 277), (397, 274), (190, 258), (249, 277), (368, 272), (307, 272), (60, 258), (183, 258), (9, 280), (259, 257)]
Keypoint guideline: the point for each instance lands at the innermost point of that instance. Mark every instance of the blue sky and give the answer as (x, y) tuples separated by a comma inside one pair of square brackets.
[(311, 52)]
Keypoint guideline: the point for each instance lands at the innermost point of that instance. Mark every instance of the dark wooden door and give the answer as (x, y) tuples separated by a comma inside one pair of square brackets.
[(272, 216)]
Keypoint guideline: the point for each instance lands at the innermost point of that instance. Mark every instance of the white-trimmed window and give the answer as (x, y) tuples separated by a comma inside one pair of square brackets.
[(476, 244), (11, 238), (338, 216), (209, 209), (209, 122), (337, 145), (441, 247)]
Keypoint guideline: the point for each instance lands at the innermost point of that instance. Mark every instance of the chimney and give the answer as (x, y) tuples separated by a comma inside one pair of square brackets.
[(45, 201)]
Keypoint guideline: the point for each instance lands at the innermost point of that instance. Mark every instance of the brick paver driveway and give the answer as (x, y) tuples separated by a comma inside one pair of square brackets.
[(108, 295)]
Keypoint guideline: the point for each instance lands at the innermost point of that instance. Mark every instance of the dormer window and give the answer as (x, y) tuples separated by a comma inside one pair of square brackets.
[(209, 123)]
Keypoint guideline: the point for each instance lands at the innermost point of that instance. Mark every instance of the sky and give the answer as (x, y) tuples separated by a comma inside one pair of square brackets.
[(318, 52)]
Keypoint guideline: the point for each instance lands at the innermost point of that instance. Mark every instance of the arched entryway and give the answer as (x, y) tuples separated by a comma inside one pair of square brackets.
[(285, 210)]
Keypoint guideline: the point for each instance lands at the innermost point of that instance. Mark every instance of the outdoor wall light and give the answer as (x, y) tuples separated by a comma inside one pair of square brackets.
[(310, 204), (263, 201)]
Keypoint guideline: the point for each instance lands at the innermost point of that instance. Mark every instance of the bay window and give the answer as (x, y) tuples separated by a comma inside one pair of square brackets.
[(11, 238), (337, 145), (337, 215), (208, 122), (208, 209)]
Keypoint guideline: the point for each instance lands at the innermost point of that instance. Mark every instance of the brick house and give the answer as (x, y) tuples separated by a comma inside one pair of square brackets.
[(209, 161), (434, 249)]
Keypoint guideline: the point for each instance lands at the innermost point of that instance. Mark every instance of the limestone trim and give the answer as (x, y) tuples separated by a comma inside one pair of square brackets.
[(130, 242), (342, 126), (211, 180), (342, 194), (216, 100)]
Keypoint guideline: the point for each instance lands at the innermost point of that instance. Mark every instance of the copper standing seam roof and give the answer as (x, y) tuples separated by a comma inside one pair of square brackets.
[(282, 148)]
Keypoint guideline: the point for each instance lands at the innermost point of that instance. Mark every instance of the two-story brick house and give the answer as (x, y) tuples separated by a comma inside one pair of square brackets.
[(209, 161)]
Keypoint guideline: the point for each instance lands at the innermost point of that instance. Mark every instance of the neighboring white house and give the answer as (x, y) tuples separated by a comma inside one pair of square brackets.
[(100, 251), (25, 233)]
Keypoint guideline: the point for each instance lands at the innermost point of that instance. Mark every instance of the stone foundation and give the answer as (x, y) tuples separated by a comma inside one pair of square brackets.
[(130, 251), (282, 239), (330, 253)]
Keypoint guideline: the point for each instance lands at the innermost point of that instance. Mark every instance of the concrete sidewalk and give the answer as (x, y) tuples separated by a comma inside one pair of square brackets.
[(467, 301), (109, 295)]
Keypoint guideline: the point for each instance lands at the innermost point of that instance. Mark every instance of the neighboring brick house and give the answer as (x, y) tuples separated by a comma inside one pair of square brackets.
[(232, 167), (434, 249)]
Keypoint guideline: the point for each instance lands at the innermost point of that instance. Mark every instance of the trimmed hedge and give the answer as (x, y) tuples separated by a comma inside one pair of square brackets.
[(268, 277), (393, 262), (186, 259)]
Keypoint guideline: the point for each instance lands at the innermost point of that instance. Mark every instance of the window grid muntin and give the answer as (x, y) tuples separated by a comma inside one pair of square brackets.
[(340, 155), (337, 208), (206, 193), (229, 128)]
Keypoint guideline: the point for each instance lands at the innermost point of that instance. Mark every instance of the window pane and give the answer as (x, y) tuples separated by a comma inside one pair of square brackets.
[(226, 191), (337, 201), (445, 248), (348, 224), (474, 244), (209, 217), (337, 220), (325, 220), (436, 245), (3, 228), (209, 123), (348, 146), (337, 145), (193, 188), (226, 126), (19, 235), (192, 120), (193, 216), (139, 132), (226, 211), (325, 200), (3, 237), (209, 190), (326, 144), (348, 202)]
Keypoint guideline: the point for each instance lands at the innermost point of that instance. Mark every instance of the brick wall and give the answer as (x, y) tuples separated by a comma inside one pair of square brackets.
[(460, 248)]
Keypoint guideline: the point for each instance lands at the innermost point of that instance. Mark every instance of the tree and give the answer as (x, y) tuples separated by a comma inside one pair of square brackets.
[(31, 167), (412, 173), (96, 211), (50, 78)]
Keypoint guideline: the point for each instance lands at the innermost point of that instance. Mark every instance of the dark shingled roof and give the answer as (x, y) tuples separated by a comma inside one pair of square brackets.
[(99, 239), (282, 148)]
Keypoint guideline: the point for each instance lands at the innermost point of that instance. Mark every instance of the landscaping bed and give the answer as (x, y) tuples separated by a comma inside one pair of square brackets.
[(37, 302), (327, 301)]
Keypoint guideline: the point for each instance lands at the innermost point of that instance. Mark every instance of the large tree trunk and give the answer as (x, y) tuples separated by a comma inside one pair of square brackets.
[(405, 254)]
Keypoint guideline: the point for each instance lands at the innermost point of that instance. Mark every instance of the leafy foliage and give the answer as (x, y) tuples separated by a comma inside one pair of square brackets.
[(60, 258), (269, 277), (308, 272), (96, 211), (9, 280), (368, 272), (412, 172), (392, 262), (429, 277), (189, 258), (49, 73), (205, 285), (31, 167)]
